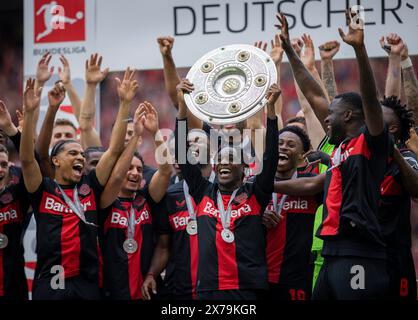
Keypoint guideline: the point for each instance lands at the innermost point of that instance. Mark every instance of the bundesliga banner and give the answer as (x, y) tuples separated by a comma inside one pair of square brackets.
[(61, 27)]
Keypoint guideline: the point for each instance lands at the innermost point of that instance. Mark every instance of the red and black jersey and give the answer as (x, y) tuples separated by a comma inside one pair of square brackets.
[(13, 208), (242, 263), (352, 195), (62, 238), (289, 243), (395, 208), (124, 272), (181, 271)]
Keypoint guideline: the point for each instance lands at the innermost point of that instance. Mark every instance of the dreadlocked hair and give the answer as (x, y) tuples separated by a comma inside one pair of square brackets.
[(405, 116)]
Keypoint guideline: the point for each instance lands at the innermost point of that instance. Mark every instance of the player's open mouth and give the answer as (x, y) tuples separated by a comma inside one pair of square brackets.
[(133, 180), (78, 169), (224, 172)]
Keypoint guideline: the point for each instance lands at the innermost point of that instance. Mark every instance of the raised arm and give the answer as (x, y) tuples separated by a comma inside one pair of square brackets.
[(409, 172), (6, 124), (327, 51), (371, 107), (311, 89), (43, 74), (393, 78), (314, 127), (65, 76), (113, 186), (301, 186), (88, 134), (161, 179), (265, 179), (191, 173), (55, 98), (30, 169), (410, 83), (412, 142), (172, 79), (126, 90)]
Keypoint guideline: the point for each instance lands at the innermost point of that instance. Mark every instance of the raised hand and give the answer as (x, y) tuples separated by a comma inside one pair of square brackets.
[(273, 93), (139, 119), (184, 86), (166, 45), (5, 119), (128, 87), (151, 118), (261, 45), (284, 27), (93, 73), (56, 95), (31, 98), (412, 142), (276, 52), (64, 71), (297, 45), (394, 45), (20, 119), (355, 35), (308, 56), (329, 49), (43, 72)]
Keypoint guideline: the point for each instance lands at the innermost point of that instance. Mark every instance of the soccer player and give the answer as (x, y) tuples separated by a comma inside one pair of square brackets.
[(128, 239), (289, 221), (66, 208), (353, 241), (232, 262)]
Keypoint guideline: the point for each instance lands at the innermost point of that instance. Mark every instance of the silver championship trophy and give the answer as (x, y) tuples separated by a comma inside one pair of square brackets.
[(230, 84)]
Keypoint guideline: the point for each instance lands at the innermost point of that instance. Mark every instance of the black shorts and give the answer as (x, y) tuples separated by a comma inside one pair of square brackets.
[(76, 288), (285, 292), (231, 295), (351, 278), (401, 270)]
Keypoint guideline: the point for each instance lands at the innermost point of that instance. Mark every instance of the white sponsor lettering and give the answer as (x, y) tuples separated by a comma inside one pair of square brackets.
[(117, 218), (180, 222), (8, 215), (51, 204), (210, 209)]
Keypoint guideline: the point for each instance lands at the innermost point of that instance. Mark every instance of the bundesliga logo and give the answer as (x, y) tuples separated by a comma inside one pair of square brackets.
[(59, 21)]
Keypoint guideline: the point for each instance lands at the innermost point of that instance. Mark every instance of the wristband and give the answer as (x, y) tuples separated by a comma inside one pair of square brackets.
[(151, 274), (406, 63)]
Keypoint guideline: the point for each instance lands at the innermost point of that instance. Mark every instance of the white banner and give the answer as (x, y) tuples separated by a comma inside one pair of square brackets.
[(127, 29)]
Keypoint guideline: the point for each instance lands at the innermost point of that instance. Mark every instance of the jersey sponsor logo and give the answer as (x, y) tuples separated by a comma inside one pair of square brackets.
[(53, 205), (244, 210), (9, 214), (119, 219), (296, 205), (179, 220)]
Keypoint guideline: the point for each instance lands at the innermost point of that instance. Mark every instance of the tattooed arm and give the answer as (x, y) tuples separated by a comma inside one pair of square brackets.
[(327, 51)]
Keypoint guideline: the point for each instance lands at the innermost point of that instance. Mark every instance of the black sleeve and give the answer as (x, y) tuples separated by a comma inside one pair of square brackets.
[(191, 172), (160, 216), (95, 184), (381, 144), (264, 182)]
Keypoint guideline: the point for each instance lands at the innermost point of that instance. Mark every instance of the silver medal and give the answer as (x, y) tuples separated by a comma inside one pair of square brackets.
[(130, 245), (4, 241), (191, 227), (227, 236)]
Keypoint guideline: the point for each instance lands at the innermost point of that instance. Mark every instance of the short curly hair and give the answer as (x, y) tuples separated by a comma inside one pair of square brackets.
[(405, 116), (306, 142)]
